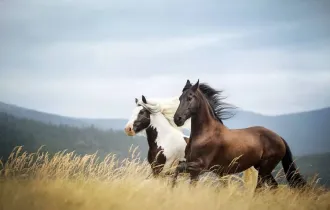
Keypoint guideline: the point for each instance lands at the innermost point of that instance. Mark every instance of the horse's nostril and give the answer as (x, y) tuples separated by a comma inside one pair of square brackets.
[(179, 118), (128, 129)]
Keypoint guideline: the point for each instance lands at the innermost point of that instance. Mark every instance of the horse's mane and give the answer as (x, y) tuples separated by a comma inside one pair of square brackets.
[(168, 107), (215, 98)]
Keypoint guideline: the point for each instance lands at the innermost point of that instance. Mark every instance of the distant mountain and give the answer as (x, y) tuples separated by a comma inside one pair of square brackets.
[(20, 112), (115, 124), (310, 165), (32, 134), (306, 132)]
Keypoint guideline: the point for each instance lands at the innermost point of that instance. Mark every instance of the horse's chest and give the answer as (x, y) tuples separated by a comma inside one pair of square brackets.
[(198, 149), (166, 150)]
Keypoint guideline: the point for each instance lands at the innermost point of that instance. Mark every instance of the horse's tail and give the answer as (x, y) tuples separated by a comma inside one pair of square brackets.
[(294, 178)]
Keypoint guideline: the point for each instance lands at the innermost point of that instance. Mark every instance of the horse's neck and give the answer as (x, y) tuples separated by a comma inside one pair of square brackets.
[(159, 129), (151, 137), (203, 119)]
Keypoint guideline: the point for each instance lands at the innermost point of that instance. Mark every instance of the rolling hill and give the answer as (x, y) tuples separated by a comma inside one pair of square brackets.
[(32, 134), (306, 132)]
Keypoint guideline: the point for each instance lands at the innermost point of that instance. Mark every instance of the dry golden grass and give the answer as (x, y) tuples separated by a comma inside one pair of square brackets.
[(68, 181)]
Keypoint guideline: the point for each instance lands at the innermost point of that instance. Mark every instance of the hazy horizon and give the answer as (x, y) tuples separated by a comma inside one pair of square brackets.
[(109, 117), (91, 59)]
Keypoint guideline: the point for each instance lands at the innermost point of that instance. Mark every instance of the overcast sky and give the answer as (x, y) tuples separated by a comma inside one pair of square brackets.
[(92, 58)]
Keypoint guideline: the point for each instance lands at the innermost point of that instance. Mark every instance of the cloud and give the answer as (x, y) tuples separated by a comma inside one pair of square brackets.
[(83, 58)]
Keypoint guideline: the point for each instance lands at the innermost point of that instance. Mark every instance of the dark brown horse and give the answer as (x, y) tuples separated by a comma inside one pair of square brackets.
[(214, 147)]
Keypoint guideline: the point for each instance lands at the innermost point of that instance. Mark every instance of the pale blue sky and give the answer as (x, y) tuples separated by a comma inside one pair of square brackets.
[(92, 58)]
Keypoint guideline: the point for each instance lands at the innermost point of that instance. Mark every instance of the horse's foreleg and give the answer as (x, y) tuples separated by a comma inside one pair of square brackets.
[(194, 169), (156, 168), (181, 167)]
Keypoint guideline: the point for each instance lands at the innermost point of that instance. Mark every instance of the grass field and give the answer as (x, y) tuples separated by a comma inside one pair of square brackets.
[(67, 181)]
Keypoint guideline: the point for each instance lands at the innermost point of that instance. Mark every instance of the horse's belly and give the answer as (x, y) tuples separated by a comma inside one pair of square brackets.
[(238, 169), (235, 164)]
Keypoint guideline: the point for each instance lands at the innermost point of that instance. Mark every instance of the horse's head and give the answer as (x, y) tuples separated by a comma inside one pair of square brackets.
[(139, 120), (188, 103)]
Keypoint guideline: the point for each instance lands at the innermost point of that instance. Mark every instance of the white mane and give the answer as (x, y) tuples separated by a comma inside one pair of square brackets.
[(168, 107)]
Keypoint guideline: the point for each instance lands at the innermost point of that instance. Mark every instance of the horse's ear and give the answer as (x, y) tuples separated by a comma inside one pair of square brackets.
[(136, 100), (187, 86), (144, 99), (195, 86)]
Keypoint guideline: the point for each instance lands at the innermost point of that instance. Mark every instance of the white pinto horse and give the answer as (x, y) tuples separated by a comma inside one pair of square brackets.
[(167, 143), (154, 118)]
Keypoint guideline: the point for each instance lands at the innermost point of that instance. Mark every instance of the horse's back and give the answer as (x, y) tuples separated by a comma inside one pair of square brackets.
[(271, 141), (258, 131), (258, 139)]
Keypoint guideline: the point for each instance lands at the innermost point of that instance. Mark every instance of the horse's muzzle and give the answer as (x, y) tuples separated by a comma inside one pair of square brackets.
[(178, 120), (129, 130)]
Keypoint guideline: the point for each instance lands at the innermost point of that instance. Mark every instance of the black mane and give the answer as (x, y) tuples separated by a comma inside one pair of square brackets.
[(215, 99)]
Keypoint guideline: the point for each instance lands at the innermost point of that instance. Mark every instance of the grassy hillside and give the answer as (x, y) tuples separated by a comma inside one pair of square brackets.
[(319, 164), (37, 181), (310, 166), (33, 134)]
